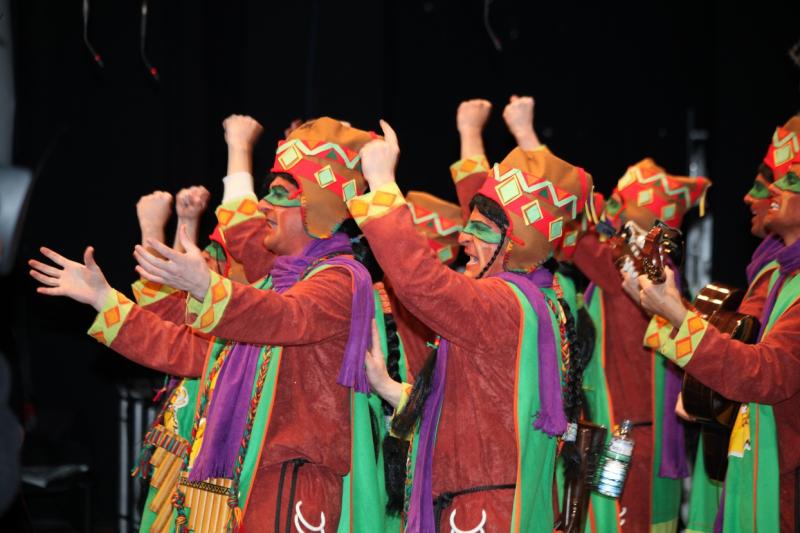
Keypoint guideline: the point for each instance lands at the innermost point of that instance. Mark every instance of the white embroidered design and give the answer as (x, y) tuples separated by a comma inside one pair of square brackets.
[(300, 520), (477, 529)]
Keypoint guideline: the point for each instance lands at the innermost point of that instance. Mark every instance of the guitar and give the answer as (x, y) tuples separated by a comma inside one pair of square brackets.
[(661, 242), (717, 303)]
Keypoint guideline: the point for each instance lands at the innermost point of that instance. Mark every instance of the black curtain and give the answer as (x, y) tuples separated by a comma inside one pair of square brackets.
[(612, 85)]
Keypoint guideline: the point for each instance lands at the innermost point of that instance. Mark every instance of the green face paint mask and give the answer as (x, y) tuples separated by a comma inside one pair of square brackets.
[(481, 231), (759, 190), (612, 207), (279, 196), (790, 183)]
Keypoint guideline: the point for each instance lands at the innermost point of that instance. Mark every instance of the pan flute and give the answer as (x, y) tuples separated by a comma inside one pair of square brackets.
[(167, 459), (207, 504)]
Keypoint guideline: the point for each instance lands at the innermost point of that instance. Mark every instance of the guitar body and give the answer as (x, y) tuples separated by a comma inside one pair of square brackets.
[(717, 303)]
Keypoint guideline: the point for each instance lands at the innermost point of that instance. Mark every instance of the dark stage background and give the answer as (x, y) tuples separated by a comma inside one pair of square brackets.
[(612, 85)]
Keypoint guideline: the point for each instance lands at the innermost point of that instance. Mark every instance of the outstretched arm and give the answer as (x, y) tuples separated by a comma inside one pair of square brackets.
[(469, 172), (84, 283), (135, 333), (241, 135), (241, 226)]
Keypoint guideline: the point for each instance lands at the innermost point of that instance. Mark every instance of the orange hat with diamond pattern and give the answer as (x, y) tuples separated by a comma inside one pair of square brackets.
[(646, 193), (540, 195), (784, 150), (438, 221), (323, 156)]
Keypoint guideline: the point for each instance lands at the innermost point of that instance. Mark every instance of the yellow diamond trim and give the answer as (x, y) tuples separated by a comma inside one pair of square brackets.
[(383, 199)]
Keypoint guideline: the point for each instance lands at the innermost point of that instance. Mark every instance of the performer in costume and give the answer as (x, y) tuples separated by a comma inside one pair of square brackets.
[(282, 390), (775, 165), (763, 452), (706, 493), (623, 379), (500, 357), (469, 174)]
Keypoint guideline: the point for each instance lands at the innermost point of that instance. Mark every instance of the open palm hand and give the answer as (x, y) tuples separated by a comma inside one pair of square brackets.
[(84, 283)]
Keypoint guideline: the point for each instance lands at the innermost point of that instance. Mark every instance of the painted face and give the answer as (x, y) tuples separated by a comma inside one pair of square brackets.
[(757, 199), (618, 212), (783, 215), (613, 210), (480, 239), (281, 206)]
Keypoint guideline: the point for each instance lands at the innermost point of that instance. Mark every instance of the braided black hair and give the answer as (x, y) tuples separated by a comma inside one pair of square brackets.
[(581, 339), (395, 451)]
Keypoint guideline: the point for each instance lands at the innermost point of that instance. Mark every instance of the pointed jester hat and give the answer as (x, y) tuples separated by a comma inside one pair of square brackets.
[(438, 221), (540, 194), (785, 148), (323, 156), (646, 193)]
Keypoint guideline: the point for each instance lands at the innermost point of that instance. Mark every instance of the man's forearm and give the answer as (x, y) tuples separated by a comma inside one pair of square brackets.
[(153, 232), (527, 140), (192, 229), (471, 143), (240, 159)]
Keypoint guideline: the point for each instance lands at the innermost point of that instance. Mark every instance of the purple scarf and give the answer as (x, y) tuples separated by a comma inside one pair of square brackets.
[(673, 446), (550, 418), (766, 252), (227, 412), (288, 270)]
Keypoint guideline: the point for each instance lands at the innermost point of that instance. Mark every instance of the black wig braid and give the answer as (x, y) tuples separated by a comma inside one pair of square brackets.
[(581, 339), (580, 336), (395, 451), (393, 357)]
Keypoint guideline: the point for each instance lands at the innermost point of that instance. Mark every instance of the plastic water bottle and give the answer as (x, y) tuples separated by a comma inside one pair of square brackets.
[(613, 466)]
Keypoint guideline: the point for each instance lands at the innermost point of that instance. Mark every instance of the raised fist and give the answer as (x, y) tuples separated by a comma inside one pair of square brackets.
[(379, 158), (241, 131), (472, 115), (518, 114), (154, 209), (190, 203)]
